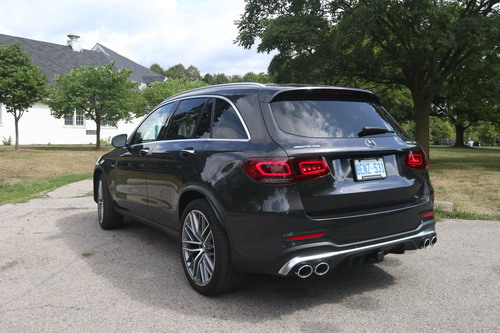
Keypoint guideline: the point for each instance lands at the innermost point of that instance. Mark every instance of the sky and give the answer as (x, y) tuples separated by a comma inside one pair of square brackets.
[(167, 32)]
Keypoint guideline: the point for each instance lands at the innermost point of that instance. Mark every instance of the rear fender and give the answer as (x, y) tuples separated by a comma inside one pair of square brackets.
[(209, 196)]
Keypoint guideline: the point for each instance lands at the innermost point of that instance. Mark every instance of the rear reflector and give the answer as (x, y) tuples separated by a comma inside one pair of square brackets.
[(428, 214), (417, 159), (320, 234), (284, 170)]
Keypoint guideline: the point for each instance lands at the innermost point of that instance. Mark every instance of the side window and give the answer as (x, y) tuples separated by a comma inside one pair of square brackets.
[(203, 128), (185, 119), (227, 124), (151, 127)]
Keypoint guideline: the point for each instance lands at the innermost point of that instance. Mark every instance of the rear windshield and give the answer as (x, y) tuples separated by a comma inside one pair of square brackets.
[(331, 118)]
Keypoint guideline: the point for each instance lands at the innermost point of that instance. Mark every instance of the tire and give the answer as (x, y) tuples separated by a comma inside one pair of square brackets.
[(205, 253), (106, 215)]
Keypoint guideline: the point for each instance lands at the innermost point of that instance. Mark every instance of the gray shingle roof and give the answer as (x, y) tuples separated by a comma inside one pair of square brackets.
[(59, 59), (140, 74)]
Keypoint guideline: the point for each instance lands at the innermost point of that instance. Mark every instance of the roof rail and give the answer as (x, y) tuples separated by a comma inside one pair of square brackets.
[(260, 85), (255, 84)]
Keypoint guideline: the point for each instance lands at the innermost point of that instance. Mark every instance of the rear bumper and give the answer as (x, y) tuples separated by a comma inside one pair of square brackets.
[(260, 230), (290, 259), (408, 242)]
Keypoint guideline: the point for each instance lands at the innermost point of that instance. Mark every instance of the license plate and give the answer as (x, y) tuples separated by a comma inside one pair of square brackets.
[(367, 169)]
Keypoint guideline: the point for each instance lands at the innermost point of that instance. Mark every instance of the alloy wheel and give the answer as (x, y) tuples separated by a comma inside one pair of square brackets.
[(100, 202), (198, 248)]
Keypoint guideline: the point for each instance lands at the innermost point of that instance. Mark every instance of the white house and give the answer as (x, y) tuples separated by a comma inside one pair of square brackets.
[(38, 126)]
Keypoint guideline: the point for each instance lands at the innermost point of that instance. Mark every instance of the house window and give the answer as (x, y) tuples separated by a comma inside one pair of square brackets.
[(79, 119), (68, 120), (76, 119), (108, 123)]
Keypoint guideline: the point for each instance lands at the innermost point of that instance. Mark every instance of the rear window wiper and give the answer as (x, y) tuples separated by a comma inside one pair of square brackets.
[(374, 130)]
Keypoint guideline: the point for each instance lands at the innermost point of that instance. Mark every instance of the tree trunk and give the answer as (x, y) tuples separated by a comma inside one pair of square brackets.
[(98, 133), (16, 122), (459, 135), (422, 110)]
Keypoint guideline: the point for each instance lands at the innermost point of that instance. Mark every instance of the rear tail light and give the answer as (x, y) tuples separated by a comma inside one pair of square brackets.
[(417, 159), (284, 170)]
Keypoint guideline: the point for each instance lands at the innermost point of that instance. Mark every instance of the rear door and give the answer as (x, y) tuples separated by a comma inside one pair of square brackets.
[(178, 159), (365, 150)]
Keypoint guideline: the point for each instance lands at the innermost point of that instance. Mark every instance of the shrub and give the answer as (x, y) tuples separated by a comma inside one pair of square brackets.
[(7, 142)]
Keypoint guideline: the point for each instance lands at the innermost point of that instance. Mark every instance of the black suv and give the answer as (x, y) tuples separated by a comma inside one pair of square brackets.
[(274, 179)]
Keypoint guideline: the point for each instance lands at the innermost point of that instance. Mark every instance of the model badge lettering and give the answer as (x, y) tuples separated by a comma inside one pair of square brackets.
[(307, 146)]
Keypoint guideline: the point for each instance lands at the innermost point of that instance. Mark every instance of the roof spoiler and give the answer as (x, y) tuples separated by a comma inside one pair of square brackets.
[(322, 93)]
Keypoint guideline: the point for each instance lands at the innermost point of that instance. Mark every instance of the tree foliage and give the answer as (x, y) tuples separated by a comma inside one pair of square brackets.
[(178, 71), (159, 91), (100, 92), (192, 73), (221, 78), (413, 43), (486, 132), (22, 83), (218, 78), (471, 94)]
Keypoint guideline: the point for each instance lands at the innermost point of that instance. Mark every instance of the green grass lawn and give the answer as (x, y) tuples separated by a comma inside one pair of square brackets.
[(468, 177), (33, 170)]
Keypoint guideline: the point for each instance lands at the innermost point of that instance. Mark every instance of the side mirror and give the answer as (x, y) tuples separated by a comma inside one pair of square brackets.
[(119, 141)]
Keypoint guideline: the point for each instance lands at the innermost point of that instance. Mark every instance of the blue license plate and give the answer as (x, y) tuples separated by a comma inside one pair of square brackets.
[(367, 169)]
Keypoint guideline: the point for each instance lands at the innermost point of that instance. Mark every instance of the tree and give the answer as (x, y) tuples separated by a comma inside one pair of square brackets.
[(440, 130), (159, 91), (100, 92), (416, 44), (180, 72), (221, 78), (260, 78), (157, 69), (485, 132), (22, 83), (471, 95)]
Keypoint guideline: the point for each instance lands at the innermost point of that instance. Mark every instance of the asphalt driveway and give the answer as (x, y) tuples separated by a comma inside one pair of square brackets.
[(59, 272)]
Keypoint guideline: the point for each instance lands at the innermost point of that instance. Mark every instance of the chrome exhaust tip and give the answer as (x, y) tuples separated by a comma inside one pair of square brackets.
[(322, 268), (434, 240), (304, 271), (425, 243)]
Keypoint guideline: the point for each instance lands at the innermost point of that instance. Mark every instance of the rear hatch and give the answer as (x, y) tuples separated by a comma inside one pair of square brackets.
[(366, 152)]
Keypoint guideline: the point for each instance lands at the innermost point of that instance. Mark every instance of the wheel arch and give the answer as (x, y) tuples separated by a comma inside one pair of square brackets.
[(97, 174), (194, 192)]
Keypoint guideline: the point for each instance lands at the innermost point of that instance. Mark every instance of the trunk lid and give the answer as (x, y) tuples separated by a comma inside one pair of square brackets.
[(369, 176)]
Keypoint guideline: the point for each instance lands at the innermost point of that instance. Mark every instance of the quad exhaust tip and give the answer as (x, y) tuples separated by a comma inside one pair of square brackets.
[(304, 271), (425, 243), (322, 268), (430, 241)]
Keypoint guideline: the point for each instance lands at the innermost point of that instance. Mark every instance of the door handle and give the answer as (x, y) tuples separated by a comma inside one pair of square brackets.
[(144, 151), (187, 151)]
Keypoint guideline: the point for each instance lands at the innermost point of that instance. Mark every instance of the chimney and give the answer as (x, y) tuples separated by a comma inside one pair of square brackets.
[(74, 43)]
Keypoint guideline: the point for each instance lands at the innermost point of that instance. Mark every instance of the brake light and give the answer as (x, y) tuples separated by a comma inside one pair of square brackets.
[(273, 168), (417, 159), (428, 214), (269, 170)]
